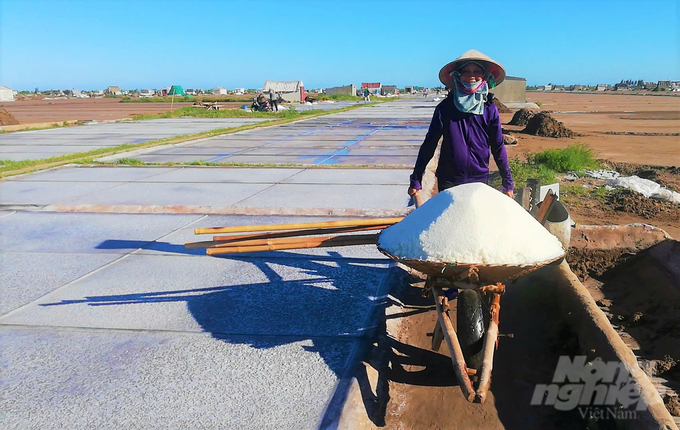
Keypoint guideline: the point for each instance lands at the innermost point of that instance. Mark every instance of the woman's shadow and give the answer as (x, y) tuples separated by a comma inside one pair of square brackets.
[(322, 298)]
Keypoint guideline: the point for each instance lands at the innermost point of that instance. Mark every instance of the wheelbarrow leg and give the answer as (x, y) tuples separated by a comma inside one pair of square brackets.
[(456, 352), (437, 336), (489, 347)]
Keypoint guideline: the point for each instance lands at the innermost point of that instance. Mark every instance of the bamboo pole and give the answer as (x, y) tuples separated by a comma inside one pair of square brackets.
[(294, 240), (489, 348), (314, 242), (298, 226), (456, 352), (217, 240)]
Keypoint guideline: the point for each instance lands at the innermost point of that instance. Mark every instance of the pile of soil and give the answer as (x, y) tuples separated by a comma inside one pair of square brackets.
[(543, 124), (6, 118), (586, 262), (635, 203), (501, 107), (522, 117), (643, 300)]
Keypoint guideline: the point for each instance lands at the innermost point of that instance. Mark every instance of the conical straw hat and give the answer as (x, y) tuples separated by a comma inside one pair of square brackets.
[(491, 66)]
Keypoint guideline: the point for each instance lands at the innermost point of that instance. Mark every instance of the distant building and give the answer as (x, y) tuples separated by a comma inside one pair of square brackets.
[(511, 90), (373, 87), (290, 91), (239, 91), (389, 90), (147, 93), (190, 92), (219, 91), (601, 87), (649, 85), (408, 90), (577, 88), (113, 91), (6, 94), (350, 89), (622, 87), (664, 84)]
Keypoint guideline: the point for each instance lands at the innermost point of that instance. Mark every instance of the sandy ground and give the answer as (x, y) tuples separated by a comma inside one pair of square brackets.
[(42, 111), (604, 113)]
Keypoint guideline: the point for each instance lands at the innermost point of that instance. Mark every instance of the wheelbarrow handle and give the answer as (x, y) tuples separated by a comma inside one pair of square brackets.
[(417, 198)]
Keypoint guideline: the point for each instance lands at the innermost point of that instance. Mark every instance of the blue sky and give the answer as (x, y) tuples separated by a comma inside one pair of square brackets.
[(202, 44)]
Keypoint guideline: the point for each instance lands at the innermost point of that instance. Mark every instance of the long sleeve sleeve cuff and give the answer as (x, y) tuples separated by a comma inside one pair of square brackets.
[(415, 183)]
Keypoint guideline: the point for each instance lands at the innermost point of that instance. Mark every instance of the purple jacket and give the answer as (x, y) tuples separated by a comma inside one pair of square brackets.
[(468, 141)]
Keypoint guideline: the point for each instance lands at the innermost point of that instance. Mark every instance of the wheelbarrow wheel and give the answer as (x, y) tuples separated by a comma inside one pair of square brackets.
[(470, 322)]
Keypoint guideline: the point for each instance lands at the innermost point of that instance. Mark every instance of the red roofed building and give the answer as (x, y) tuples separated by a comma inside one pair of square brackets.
[(373, 87)]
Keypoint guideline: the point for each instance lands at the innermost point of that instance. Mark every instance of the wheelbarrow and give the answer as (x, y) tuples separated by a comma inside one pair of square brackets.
[(477, 289)]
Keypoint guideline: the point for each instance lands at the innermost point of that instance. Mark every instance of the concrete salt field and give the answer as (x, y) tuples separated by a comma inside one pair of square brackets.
[(107, 321), (385, 134), (52, 142)]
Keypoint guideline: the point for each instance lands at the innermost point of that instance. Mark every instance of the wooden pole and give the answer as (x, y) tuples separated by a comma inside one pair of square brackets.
[(350, 240), (456, 352), (217, 240), (489, 348), (280, 227), (372, 238)]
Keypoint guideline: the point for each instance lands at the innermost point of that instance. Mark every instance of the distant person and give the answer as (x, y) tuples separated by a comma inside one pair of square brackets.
[(470, 125), (425, 92), (274, 100), (367, 96)]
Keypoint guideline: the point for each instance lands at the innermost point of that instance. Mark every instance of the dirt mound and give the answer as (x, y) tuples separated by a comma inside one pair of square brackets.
[(522, 117), (586, 262), (501, 107), (643, 293), (542, 124), (635, 203), (6, 118)]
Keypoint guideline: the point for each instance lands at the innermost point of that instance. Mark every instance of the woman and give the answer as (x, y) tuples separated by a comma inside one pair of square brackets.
[(470, 124)]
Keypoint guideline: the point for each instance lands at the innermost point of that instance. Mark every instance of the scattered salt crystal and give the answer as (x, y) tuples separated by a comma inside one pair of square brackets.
[(471, 223)]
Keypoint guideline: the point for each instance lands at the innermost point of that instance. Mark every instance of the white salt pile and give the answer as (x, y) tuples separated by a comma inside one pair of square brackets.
[(471, 223)]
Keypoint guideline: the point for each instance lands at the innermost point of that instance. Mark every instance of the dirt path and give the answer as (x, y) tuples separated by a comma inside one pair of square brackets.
[(419, 389), (47, 111)]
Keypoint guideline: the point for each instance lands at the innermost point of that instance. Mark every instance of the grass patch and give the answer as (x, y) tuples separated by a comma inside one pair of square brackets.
[(337, 97), (573, 158), (130, 162), (228, 113), (546, 165)]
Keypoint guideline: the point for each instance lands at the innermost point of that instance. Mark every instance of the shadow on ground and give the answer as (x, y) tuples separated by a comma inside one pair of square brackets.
[(323, 298)]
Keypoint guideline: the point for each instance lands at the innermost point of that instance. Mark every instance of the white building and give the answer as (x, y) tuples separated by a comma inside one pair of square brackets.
[(6, 94), (114, 91), (239, 91), (290, 91), (219, 91), (147, 93)]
